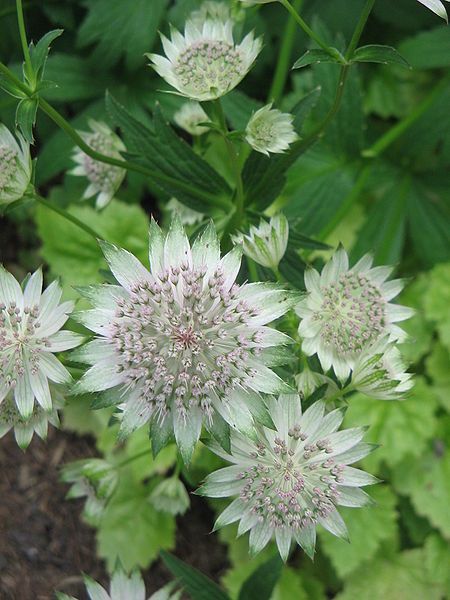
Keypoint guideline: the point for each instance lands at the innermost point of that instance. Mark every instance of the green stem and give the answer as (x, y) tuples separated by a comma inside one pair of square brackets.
[(130, 459), (123, 164), (23, 39), (307, 29), (66, 215), (359, 28), (339, 394), (284, 57), (252, 270), (402, 126)]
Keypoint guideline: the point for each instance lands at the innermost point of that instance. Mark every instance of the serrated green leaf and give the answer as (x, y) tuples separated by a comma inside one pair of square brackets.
[(402, 428), (197, 585), (368, 528), (437, 559), (428, 49), (317, 55), (437, 365), (39, 52), (379, 54)]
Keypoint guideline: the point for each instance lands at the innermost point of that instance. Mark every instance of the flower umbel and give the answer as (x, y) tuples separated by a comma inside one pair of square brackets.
[(182, 344), (292, 479), (347, 310), (30, 323), (15, 166), (267, 243), (189, 116), (270, 130), (205, 63), (104, 179)]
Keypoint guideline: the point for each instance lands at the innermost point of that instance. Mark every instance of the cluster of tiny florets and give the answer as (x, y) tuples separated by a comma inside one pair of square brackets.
[(100, 173), (352, 313), (8, 157)]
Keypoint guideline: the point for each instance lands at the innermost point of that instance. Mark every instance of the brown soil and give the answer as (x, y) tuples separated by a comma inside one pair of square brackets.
[(43, 543)]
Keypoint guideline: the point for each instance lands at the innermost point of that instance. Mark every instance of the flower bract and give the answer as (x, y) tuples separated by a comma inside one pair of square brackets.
[(15, 166), (437, 7)]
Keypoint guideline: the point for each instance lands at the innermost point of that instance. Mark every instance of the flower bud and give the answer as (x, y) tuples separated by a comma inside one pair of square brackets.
[(189, 116), (309, 381), (266, 244), (15, 166), (170, 496), (270, 130)]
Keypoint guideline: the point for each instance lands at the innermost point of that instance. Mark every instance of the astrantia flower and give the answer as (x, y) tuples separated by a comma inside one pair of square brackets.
[(216, 11), (24, 428), (170, 496), (267, 243), (104, 179), (124, 587), (30, 323), (436, 6), (270, 130), (183, 344), (347, 310), (188, 216), (380, 373), (15, 166), (205, 63), (292, 479), (189, 116)]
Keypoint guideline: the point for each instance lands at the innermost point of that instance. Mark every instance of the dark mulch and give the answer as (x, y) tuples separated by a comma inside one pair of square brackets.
[(43, 543)]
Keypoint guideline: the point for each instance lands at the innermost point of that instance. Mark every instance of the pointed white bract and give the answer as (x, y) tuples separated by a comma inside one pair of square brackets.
[(30, 323), (124, 587), (205, 63), (37, 422), (291, 479), (308, 382), (380, 373), (104, 179), (183, 344), (267, 243), (15, 166), (437, 7), (347, 310), (270, 130), (189, 116)]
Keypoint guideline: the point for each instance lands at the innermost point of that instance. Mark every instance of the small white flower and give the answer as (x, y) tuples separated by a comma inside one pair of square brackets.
[(291, 479), (189, 116), (124, 587), (346, 310), (267, 243), (437, 7), (205, 63), (104, 179), (30, 323), (379, 372), (183, 344), (188, 216), (170, 496), (15, 166), (37, 422), (270, 130)]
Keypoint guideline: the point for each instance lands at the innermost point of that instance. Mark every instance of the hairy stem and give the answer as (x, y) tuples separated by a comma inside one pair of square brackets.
[(66, 215)]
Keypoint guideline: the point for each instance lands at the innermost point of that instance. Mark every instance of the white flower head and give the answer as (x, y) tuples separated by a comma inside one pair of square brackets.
[(189, 116), (437, 7), (270, 130), (188, 216), (379, 372), (183, 344), (346, 310), (124, 587), (267, 243), (25, 428), (205, 63), (15, 166), (30, 323), (291, 479), (104, 179), (170, 496), (210, 9)]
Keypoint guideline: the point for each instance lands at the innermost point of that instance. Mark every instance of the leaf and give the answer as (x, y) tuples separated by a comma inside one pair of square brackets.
[(39, 53), (402, 428), (402, 577), (436, 300), (73, 255), (379, 54), (238, 108), (119, 29), (427, 482), (197, 585), (304, 106), (317, 55), (75, 77), (131, 530), (437, 364), (420, 331), (369, 527), (428, 49), (260, 584), (437, 559), (26, 117)]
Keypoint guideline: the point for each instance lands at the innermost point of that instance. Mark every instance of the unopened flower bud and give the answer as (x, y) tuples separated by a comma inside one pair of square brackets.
[(15, 166), (270, 130), (266, 244)]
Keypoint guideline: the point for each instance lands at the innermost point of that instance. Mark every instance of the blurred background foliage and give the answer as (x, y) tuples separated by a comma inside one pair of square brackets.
[(392, 200)]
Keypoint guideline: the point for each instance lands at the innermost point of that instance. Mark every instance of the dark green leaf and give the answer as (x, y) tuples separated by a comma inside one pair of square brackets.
[(238, 108), (317, 55), (379, 54), (39, 53), (260, 584), (197, 585), (26, 117), (304, 106), (428, 49)]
